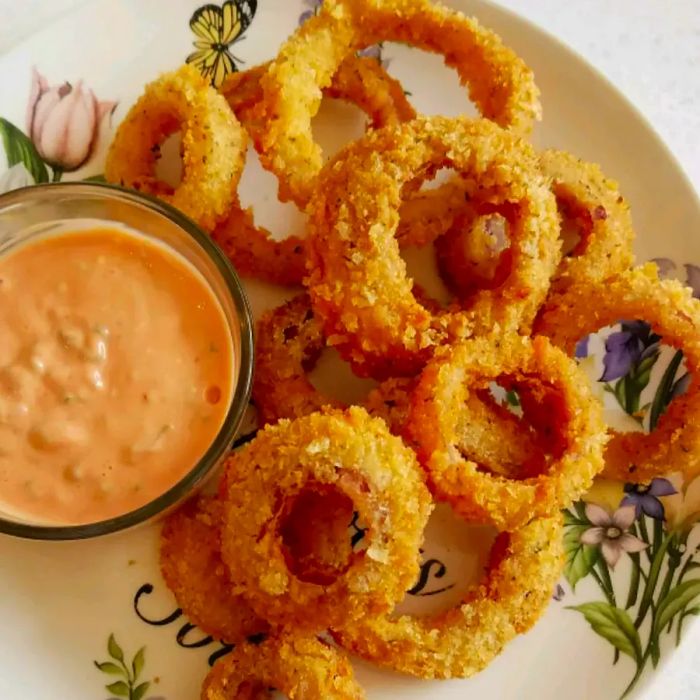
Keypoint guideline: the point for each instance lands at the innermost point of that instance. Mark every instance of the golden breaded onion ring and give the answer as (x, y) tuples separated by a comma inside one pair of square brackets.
[(593, 201), (355, 454), (499, 82), (673, 313), (289, 341), (586, 198), (358, 282), (524, 567), (252, 248), (191, 564), (448, 381), (213, 146), (301, 668)]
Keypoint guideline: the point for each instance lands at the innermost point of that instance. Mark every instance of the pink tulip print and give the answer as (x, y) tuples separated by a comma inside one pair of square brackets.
[(63, 122), (64, 126)]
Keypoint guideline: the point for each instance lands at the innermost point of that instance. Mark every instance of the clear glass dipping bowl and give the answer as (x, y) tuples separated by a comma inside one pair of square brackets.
[(36, 211)]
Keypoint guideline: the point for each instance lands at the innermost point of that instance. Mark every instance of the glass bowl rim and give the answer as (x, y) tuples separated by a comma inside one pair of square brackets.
[(223, 441)]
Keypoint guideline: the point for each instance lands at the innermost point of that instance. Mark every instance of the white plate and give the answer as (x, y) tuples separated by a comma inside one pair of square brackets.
[(60, 603)]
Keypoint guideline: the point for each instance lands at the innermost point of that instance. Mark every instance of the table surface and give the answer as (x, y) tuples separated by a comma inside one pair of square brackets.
[(650, 49)]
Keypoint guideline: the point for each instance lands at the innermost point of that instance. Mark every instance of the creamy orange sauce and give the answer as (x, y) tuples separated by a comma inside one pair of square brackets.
[(115, 374)]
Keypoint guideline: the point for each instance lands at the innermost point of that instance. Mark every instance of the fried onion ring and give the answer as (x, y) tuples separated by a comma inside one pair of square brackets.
[(213, 146), (469, 260), (191, 564), (499, 82), (358, 282), (674, 314), (356, 455), (523, 570), (289, 341), (252, 248), (480, 496), (593, 202), (302, 668)]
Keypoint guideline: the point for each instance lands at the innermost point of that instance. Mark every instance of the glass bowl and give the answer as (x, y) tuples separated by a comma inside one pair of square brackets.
[(38, 210)]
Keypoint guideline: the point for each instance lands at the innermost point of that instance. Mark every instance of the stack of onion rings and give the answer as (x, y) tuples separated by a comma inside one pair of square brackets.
[(318, 521), (500, 83), (588, 201), (358, 282), (252, 248)]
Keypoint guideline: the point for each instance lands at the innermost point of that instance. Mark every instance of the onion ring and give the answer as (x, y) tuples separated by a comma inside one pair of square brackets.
[(302, 668), (213, 146), (499, 82), (674, 314), (358, 456), (586, 198), (289, 341), (523, 570), (358, 282), (484, 497), (252, 248), (585, 195), (191, 564)]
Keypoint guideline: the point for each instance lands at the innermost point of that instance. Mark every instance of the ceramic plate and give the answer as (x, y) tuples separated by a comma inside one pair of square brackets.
[(93, 620)]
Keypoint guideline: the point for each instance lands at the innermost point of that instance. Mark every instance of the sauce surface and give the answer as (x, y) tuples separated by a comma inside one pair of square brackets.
[(116, 373)]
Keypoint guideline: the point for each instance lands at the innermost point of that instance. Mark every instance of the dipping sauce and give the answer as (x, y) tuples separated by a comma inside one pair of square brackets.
[(116, 374)]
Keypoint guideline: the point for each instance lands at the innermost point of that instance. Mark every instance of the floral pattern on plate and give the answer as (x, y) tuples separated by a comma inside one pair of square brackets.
[(65, 124)]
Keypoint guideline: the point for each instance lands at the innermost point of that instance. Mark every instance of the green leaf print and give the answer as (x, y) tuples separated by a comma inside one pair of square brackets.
[(109, 667), (19, 149), (130, 672), (137, 663), (580, 558), (615, 625), (115, 651), (120, 689), (677, 598), (139, 691)]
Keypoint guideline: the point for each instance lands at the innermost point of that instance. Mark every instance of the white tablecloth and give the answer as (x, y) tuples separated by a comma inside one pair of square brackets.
[(650, 49)]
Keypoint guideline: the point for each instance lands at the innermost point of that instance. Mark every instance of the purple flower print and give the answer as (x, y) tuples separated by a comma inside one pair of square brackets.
[(373, 51), (692, 278), (314, 6), (667, 268), (681, 385), (627, 347), (609, 532), (582, 348), (645, 498)]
